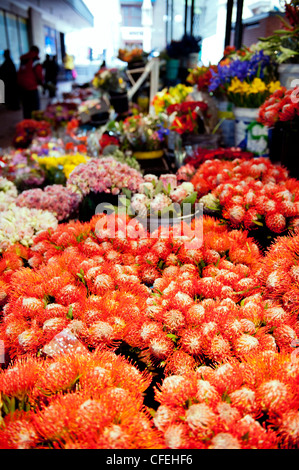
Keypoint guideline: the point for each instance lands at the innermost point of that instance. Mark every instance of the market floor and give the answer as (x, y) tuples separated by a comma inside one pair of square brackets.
[(9, 119)]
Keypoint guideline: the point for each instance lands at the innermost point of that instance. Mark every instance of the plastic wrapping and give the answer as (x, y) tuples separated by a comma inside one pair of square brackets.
[(64, 342)]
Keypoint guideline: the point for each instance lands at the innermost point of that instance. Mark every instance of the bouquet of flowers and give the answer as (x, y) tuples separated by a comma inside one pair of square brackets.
[(27, 129), (223, 345), (172, 95), (281, 106), (245, 76), (189, 117), (20, 167), (249, 194), (200, 155), (21, 224), (252, 94), (141, 132), (156, 196), (133, 55), (8, 193), (58, 114), (59, 167), (201, 77), (109, 80), (59, 200), (103, 175)]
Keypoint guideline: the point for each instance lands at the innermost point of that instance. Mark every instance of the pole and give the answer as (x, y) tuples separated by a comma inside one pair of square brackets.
[(228, 29), (186, 16), (239, 26), (192, 17)]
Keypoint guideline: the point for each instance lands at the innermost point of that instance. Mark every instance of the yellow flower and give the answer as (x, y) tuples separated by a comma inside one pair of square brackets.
[(273, 86), (258, 86)]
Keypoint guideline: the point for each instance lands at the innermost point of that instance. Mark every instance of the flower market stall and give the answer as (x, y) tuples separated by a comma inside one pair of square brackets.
[(116, 333)]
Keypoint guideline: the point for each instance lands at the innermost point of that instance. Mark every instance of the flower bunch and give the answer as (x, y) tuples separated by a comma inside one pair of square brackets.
[(20, 167), (245, 68), (200, 155), (159, 195), (249, 193), (134, 55), (7, 187), (59, 200), (202, 316), (250, 95), (279, 272), (281, 106), (64, 164), (27, 129), (104, 175), (12, 259), (188, 117), (142, 133), (109, 80), (201, 76), (58, 114), (107, 140), (82, 402), (172, 95), (212, 173), (20, 225), (199, 409), (123, 157), (96, 282)]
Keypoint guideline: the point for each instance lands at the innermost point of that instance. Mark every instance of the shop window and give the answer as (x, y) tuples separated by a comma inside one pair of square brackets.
[(50, 41), (13, 37), (3, 41), (131, 15), (23, 30)]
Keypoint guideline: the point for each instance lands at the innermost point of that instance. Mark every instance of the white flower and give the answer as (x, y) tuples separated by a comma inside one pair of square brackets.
[(210, 202)]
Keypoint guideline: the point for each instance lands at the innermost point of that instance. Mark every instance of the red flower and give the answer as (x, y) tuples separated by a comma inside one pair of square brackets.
[(69, 146), (107, 139)]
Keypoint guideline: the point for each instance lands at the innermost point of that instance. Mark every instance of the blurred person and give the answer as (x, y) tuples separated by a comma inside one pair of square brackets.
[(8, 74), (69, 66), (51, 68), (30, 77)]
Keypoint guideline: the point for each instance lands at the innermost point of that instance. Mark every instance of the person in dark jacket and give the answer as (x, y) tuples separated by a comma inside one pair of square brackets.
[(8, 74), (51, 68), (30, 76)]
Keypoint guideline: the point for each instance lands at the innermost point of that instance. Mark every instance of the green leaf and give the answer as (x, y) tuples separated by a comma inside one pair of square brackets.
[(172, 337), (286, 54), (191, 198), (127, 193), (158, 188), (70, 313)]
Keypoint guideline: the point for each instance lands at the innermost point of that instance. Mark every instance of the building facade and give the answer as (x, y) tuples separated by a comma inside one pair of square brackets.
[(42, 23)]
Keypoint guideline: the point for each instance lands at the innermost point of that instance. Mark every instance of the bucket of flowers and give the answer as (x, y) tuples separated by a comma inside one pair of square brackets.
[(144, 135), (27, 129), (101, 181), (191, 121), (111, 82), (246, 78)]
